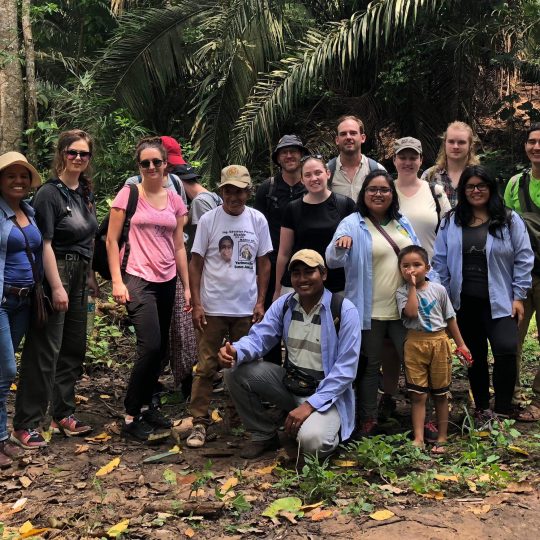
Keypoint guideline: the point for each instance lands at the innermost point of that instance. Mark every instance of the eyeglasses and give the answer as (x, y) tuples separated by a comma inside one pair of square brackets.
[(72, 154), (373, 190), (469, 188), (145, 163), (311, 156)]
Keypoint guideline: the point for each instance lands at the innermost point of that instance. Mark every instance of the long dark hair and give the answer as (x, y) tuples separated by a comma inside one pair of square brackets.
[(65, 140), (498, 214), (393, 209)]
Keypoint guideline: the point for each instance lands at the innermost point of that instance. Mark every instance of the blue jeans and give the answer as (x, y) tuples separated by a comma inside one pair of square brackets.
[(14, 319)]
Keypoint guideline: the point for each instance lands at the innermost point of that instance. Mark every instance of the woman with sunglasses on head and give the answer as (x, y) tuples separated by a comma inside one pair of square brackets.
[(20, 266), (310, 222), (53, 356), (156, 257), (367, 244), (484, 259)]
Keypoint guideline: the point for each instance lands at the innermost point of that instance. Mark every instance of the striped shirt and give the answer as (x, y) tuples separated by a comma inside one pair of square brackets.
[(304, 340)]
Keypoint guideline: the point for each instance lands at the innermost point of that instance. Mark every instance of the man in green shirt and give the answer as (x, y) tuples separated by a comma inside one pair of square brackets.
[(532, 303)]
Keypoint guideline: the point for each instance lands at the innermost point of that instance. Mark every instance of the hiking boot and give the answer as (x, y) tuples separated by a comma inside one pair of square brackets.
[(431, 432), (197, 437), (387, 405), (70, 427), (11, 450), (254, 449), (29, 439), (5, 461), (156, 418), (138, 429)]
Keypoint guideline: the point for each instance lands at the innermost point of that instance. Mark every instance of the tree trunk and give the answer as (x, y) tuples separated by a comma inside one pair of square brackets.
[(11, 83), (31, 92)]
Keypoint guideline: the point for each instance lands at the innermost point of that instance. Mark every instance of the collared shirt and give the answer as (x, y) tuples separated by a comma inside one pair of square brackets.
[(358, 262), (339, 355), (304, 340), (434, 175), (341, 183), (509, 259), (6, 225)]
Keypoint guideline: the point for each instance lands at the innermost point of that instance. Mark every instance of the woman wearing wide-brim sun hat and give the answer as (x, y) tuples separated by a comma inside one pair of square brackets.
[(17, 229)]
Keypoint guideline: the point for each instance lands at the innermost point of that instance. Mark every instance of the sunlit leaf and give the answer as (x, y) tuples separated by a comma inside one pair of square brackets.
[(381, 515), (286, 504), (118, 529), (106, 469)]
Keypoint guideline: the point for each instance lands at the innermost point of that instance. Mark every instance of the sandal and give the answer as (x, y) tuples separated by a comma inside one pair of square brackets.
[(439, 448), (530, 414)]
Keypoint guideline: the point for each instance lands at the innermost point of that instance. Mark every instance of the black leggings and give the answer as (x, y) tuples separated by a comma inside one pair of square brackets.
[(477, 327)]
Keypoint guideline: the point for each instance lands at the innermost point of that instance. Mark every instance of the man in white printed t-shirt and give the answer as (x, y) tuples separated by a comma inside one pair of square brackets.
[(228, 276)]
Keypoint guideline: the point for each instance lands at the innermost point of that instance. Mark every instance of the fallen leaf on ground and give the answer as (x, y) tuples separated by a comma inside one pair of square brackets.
[(116, 530), (18, 505), (32, 533), (25, 481), (267, 470), (80, 485), (13, 387), (472, 486), (216, 417), (518, 450), (289, 516), (105, 396), (81, 448), (80, 399), (189, 532), (446, 478), (187, 479), (392, 489), (198, 494), (102, 437), (265, 486), (519, 487), (484, 509), (484, 478), (308, 507), (286, 504), (344, 463), (47, 435), (230, 483), (106, 469), (169, 476), (25, 527), (482, 434), (437, 495), (322, 514), (381, 515)]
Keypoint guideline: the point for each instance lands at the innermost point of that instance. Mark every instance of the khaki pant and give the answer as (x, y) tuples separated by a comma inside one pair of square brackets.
[(532, 306), (210, 341)]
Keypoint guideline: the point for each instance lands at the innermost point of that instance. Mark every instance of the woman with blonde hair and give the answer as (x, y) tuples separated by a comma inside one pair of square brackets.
[(53, 356), (457, 152)]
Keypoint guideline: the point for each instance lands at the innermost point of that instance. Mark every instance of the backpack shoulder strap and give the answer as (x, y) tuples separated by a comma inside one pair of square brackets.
[(524, 195), (373, 165), (131, 207), (436, 197), (133, 199), (341, 204), (336, 303), (332, 165), (271, 199), (176, 183)]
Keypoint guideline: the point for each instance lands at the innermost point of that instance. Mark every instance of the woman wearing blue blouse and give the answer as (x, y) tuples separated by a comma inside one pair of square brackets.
[(484, 259), (17, 176)]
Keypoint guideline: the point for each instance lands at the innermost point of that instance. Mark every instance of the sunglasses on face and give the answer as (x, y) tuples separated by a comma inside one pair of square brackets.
[(145, 163), (72, 154), (373, 190), (480, 187)]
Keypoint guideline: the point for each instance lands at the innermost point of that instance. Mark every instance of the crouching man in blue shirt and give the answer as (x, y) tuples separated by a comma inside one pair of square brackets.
[(315, 384)]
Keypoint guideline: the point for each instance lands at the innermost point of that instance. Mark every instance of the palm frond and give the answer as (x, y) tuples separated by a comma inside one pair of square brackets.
[(332, 49)]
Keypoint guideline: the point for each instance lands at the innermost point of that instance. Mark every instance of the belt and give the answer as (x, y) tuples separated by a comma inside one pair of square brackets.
[(22, 292), (71, 257)]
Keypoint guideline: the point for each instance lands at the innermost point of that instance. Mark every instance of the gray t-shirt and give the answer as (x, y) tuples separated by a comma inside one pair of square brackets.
[(434, 307), (201, 204)]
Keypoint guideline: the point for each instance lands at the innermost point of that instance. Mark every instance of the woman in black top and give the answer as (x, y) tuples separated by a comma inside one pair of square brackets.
[(53, 356), (310, 223)]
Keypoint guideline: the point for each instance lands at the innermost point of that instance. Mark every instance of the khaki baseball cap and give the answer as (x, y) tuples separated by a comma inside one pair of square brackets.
[(14, 158), (309, 257), (235, 175), (409, 143)]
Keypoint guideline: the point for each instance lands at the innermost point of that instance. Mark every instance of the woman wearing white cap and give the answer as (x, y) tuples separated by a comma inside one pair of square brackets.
[(20, 250)]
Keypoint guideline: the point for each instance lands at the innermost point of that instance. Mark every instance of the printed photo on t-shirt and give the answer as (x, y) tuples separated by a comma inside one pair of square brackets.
[(245, 253), (226, 246)]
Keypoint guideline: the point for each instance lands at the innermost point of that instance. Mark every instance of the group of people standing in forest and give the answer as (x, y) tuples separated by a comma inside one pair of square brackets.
[(356, 273)]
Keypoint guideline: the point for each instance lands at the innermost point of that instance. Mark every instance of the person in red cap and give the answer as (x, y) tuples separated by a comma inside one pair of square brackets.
[(174, 151)]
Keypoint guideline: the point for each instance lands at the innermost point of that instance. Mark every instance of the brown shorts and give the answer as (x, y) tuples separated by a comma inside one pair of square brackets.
[(428, 362)]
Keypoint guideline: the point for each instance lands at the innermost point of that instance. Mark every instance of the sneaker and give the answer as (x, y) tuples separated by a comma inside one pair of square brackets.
[(70, 427), (197, 437), (29, 439), (256, 448), (387, 405), (156, 418), (11, 450), (138, 429), (431, 432)]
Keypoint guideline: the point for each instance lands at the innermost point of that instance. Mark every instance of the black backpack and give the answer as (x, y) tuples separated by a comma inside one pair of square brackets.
[(530, 214), (100, 263)]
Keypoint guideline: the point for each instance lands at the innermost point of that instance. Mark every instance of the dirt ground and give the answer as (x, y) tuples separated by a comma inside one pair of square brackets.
[(172, 498)]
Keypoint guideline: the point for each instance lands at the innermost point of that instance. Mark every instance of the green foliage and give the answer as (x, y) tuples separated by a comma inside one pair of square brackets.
[(204, 476), (102, 343)]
